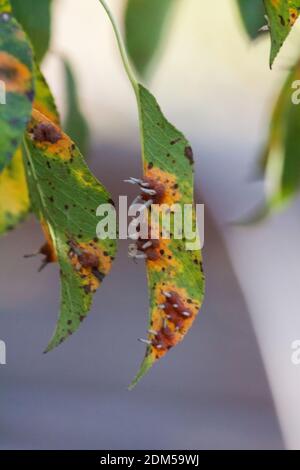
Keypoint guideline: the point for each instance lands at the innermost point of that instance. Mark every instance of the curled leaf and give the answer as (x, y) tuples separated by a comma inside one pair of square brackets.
[(65, 197), (175, 274), (282, 15), (17, 84)]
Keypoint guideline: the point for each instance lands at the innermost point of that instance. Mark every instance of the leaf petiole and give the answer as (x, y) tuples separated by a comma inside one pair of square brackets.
[(122, 48)]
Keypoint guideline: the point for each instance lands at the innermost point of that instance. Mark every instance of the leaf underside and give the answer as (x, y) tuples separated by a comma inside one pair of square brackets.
[(65, 196), (16, 72), (168, 161), (282, 15)]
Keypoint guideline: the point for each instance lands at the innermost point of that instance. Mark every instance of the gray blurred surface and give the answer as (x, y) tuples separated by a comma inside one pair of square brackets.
[(209, 393)]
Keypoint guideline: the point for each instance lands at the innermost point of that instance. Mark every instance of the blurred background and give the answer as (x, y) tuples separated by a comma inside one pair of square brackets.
[(231, 384)]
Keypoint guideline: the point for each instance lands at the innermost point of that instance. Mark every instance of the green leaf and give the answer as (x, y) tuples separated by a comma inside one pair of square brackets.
[(44, 101), (253, 16), (65, 197), (145, 22), (35, 17), (75, 124), (16, 77), (282, 14), (281, 157), (168, 164), (14, 197)]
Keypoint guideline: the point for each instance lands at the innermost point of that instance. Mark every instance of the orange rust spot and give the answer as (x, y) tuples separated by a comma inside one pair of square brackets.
[(293, 15), (45, 111), (160, 320), (15, 75), (166, 260), (168, 181), (89, 260), (48, 248), (62, 148)]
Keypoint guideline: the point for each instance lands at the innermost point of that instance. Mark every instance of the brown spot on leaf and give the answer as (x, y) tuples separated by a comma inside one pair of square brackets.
[(46, 132), (188, 152)]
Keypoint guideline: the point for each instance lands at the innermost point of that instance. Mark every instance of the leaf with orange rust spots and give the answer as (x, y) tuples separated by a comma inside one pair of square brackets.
[(65, 197), (175, 274), (16, 84), (282, 14)]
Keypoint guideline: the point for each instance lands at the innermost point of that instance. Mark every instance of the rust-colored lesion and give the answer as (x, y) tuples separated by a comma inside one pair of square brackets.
[(49, 137), (164, 183), (165, 259), (90, 262), (293, 16), (15, 74), (172, 316)]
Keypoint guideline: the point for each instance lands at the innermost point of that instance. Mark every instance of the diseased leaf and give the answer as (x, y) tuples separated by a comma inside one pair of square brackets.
[(144, 22), (75, 124), (16, 77), (175, 275), (281, 157), (35, 17), (65, 196), (282, 14), (14, 198), (253, 16)]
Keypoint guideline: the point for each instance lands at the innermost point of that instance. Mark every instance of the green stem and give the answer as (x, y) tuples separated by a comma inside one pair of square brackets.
[(122, 47)]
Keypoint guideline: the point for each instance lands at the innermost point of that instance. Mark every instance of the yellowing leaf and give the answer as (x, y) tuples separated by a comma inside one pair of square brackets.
[(282, 15), (17, 85), (65, 197), (14, 198)]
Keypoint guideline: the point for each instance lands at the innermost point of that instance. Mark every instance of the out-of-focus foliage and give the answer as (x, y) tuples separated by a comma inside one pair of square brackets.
[(17, 84), (75, 124), (282, 15), (145, 22), (281, 162), (35, 17), (253, 16)]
